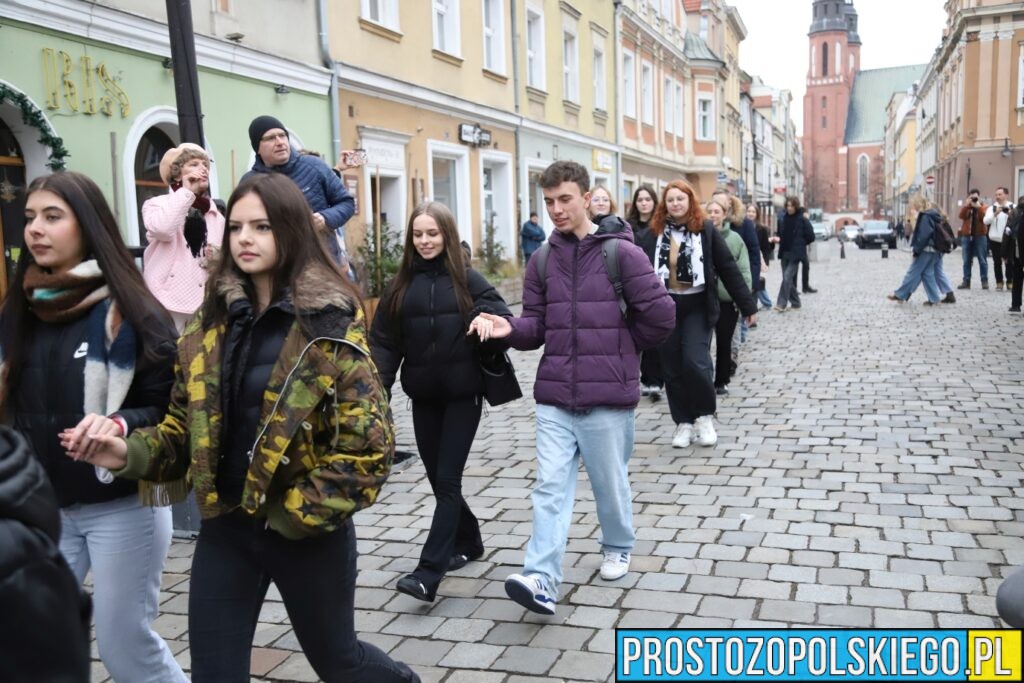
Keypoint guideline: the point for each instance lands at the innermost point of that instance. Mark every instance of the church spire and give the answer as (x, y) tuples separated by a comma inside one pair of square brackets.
[(833, 15)]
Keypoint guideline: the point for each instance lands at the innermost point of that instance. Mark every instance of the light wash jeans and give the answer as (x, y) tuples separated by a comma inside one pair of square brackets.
[(942, 280), (603, 437), (125, 543), (763, 297), (922, 269), (975, 248)]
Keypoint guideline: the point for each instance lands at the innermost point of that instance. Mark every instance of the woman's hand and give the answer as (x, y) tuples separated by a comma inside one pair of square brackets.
[(97, 441), (751, 319), (489, 326)]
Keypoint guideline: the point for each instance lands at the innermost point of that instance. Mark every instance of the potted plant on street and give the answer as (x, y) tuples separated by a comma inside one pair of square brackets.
[(380, 256)]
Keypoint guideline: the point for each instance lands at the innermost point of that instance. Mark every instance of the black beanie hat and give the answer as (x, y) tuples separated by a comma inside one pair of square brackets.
[(259, 126)]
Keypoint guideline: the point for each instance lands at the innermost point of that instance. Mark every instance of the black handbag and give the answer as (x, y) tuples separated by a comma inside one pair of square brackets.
[(500, 383)]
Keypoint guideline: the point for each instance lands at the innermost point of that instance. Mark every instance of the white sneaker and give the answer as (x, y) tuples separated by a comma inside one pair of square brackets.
[(645, 390), (615, 565), (683, 436), (705, 429), (655, 393), (529, 591)]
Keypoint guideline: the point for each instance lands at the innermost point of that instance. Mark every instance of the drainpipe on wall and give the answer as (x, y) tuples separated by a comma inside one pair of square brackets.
[(618, 96), (325, 57), (514, 26)]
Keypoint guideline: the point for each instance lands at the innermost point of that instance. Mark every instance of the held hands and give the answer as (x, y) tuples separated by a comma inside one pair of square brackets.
[(751, 319), (96, 440), (488, 326)]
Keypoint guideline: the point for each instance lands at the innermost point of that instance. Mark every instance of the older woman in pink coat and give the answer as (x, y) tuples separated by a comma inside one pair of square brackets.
[(183, 228)]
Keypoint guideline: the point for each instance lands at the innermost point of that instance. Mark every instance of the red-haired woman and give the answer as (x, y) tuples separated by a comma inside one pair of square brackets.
[(689, 257)]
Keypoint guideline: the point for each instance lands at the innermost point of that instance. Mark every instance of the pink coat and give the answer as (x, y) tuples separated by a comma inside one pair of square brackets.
[(175, 277)]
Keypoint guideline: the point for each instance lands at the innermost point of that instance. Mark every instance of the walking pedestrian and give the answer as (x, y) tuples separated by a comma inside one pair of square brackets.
[(973, 238), (183, 228), (728, 313), (925, 217), (641, 211), (421, 327), (1014, 243), (87, 348), (691, 256), (587, 383), (601, 203), (795, 234), (531, 236), (766, 247), (279, 420)]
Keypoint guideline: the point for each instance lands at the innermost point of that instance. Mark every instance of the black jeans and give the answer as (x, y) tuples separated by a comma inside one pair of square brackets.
[(650, 369), (686, 362), (996, 249), (788, 293), (444, 434), (235, 560), (1016, 273), (724, 328), (806, 272)]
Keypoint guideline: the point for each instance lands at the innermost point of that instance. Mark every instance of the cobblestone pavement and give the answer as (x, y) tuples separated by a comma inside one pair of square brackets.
[(868, 473)]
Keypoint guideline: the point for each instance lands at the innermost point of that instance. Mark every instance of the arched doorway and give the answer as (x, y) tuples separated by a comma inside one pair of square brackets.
[(12, 203), (151, 149)]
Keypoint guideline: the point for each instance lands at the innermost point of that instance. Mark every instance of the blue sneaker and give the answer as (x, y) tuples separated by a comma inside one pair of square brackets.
[(529, 591)]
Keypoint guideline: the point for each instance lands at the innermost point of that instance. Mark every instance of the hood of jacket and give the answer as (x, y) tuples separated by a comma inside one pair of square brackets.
[(25, 492)]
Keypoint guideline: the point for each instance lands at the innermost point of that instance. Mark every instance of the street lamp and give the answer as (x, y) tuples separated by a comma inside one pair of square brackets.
[(1006, 148)]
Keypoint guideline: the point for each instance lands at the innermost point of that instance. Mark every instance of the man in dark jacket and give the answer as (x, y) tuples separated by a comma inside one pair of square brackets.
[(330, 202), (44, 631), (588, 380), (974, 238), (532, 236), (795, 234)]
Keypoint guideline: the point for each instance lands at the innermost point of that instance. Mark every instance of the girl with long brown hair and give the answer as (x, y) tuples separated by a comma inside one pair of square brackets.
[(421, 326), (690, 257)]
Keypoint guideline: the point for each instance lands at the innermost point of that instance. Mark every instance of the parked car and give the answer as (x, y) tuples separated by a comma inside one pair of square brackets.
[(876, 233), (850, 233), (821, 231)]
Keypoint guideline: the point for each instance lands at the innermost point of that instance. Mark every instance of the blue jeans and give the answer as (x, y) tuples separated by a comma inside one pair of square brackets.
[(975, 248), (922, 270), (763, 297), (125, 543), (941, 279), (603, 437)]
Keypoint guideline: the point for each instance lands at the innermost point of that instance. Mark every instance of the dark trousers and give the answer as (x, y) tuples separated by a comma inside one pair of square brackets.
[(996, 249), (444, 434), (1016, 273), (724, 329), (686, 362), (650, 369), (235, 560), (788, 293), (806, 273)]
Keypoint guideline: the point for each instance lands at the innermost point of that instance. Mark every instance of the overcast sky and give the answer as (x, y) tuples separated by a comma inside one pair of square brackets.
[(892, 33)]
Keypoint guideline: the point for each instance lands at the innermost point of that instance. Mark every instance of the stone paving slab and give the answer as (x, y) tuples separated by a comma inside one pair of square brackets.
[(868, 473)]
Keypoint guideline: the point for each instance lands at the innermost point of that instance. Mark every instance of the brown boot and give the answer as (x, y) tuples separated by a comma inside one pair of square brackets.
[(999, 286)]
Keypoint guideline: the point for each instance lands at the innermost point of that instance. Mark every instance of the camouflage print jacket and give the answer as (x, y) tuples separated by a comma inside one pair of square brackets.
[(326, 438)]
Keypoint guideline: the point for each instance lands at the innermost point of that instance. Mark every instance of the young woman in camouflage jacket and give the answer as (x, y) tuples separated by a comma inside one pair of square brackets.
[(279, 422)]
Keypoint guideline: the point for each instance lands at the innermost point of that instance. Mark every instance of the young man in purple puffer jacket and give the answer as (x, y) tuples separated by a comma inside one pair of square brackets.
[(588, 381)]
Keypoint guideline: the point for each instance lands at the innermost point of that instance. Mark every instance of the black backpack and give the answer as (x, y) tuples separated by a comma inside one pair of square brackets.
[(943, 239), (610, 255)]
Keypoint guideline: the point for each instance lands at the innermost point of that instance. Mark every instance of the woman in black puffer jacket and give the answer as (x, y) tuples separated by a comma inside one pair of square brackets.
[(421, 326)]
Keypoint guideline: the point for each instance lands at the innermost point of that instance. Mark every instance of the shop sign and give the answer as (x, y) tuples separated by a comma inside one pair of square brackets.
[(473, 134), (76, 89), (602, 160)]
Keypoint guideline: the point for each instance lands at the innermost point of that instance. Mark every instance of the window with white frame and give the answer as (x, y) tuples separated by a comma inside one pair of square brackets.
[(628, 84), (647, 93), (383, 12), (679, 110), (704, 28), (1020, 78), (668, 95), (600, 85), (494, 35), (705, 117), (535, 48), (446, 26), (570, 63)]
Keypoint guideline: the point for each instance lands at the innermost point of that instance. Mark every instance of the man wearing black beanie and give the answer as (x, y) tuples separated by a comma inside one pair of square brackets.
[(327, 197)]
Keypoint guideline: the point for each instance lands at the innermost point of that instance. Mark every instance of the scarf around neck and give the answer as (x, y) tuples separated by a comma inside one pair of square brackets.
[(59, 297), (690, 261), (195, 223)]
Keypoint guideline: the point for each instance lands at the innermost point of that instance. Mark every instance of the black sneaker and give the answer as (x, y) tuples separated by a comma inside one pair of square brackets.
[(949, 298), (722, 390), (1014, 309), (810, 290), (413, 587), (964, 285)]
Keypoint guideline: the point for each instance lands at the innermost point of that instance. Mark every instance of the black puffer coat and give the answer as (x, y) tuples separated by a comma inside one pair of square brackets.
[(44, 633), (429, 342)]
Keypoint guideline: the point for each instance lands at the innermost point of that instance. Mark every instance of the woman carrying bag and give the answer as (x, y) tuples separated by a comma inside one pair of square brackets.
[(421, 326), (87, 348), (279, 421)]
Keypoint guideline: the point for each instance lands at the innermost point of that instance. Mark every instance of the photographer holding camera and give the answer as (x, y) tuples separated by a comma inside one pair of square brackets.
[(973, 238), (996, 218)]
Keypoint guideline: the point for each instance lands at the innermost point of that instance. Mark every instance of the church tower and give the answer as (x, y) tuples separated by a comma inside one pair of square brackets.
[(834, 60)]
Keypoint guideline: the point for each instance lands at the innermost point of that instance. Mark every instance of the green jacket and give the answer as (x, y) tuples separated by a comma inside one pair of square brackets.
[(739, 254), (326, 439)]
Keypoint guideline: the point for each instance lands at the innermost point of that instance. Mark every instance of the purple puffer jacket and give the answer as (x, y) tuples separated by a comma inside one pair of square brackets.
[(591, 354)]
